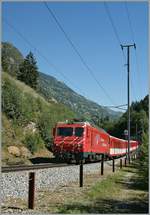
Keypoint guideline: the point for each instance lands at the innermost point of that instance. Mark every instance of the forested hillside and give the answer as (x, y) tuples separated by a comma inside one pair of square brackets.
[(139, 120), (27, 118)]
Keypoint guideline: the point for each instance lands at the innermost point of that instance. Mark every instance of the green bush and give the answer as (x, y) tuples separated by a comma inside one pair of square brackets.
[(33, 142), (144, 158), (23, 105), (11, 100)]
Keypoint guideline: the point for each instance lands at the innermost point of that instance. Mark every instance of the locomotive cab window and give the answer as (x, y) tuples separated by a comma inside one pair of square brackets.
[(68, 131), (79, 132)]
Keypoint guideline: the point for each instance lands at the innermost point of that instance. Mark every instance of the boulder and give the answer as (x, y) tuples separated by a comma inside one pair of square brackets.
[(14, 150), (25, 152)]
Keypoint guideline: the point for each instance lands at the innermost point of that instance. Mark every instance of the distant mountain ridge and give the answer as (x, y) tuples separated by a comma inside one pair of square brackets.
[(50, 88), (58, 92)]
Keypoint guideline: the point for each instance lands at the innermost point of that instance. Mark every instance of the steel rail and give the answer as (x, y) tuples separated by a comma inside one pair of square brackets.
[(15, 168)]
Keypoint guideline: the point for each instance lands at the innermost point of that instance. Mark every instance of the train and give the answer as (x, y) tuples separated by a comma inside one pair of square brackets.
[(75, 141)]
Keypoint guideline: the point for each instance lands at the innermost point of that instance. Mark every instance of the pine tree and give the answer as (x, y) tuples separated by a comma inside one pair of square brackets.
[(28, 72)]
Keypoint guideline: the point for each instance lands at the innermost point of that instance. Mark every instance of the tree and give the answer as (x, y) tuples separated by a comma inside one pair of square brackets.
[(28, 72)]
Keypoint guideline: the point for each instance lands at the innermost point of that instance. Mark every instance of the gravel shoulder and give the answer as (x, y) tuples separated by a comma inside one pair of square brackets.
[(110, 193)]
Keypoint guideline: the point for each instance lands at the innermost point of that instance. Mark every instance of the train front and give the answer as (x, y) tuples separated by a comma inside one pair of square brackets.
[(68, 141)]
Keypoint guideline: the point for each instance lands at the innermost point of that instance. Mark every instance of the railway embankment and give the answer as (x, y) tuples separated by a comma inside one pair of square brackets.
[(15, 184), (120, 192)]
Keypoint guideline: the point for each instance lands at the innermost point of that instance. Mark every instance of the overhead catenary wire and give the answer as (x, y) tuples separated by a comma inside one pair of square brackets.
[(43, 56), (116, 34), (118, 107), (114, 30), (113, 26), (77, 51), (133, 39)]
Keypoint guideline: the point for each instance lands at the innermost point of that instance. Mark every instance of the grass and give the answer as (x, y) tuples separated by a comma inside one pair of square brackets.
[(123, 192)]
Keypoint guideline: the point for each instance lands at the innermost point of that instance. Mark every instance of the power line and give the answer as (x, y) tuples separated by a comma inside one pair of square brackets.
[(118, 107), (129, 20), (116, 34), (77, 51), (113, 26), (41, 54), (133, 39)]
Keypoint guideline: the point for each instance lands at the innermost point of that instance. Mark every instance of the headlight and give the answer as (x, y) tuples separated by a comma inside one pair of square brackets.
[(80, 145)]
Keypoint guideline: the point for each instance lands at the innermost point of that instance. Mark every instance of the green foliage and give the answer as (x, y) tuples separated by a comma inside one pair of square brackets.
[(21, 105), (33, 142), (28, 72), (11, 100), (139, 120), (144, 158), (17, 105), (11, 58)]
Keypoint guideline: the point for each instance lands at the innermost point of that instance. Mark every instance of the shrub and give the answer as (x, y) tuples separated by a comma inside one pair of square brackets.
[(144, 163), (33, 142)]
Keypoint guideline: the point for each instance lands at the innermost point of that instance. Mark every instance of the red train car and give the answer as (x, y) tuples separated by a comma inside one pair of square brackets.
[(80, 140), (119, 147)]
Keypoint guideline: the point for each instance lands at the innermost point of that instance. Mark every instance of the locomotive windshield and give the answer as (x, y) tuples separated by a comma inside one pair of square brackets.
[(79, 132), (69, 131)]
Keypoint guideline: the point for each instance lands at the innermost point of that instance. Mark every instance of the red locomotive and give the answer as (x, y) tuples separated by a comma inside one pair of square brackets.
[(80, 140)]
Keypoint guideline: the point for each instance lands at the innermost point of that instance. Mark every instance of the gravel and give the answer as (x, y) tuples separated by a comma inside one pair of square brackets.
[(15, 184)]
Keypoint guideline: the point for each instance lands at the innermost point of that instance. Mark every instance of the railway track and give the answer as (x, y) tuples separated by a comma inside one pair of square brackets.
[(15, 168)]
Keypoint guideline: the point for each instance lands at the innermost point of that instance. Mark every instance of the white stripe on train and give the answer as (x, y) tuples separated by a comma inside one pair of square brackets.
[(115, 151)]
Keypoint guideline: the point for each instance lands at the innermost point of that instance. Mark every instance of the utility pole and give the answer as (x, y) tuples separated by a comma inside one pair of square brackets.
[(128, 89)]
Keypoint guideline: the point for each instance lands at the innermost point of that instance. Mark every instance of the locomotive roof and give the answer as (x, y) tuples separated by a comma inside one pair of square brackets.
[(71, 123), (82, 123)]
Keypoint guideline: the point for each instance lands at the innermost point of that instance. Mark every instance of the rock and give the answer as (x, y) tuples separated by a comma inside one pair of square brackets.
[(14, 150), (25, 152), (31, 126)]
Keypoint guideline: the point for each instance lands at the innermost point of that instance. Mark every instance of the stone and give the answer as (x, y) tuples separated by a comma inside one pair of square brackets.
[(25, 152), (14, 150)]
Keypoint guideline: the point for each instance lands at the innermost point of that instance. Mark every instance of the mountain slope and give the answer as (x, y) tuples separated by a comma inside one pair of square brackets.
[(54, 90), (49, 87)]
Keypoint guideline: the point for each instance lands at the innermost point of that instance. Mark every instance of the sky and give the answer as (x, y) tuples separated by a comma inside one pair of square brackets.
[(89, 27)]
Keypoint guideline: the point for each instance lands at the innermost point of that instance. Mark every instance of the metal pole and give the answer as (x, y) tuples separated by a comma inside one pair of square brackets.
[(120, 163), (31, 190), (125, 162), (81, 173), (128, 89), (102, 165), (128, 64), (113, 166)]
